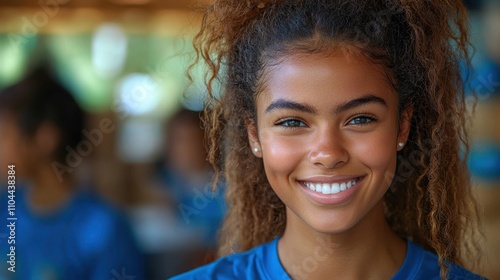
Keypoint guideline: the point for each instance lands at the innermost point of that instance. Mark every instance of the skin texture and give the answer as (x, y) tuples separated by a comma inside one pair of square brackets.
[(324, 141)]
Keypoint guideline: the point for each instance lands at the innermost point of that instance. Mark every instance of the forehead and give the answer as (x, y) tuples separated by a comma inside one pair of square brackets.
[(336, 77)]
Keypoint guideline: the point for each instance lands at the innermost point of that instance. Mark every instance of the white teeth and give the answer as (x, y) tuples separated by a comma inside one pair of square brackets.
[(333, 188), (326, 189)]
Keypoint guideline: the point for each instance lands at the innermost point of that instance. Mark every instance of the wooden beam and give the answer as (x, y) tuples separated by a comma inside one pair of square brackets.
[(170, 22), (108, 4)]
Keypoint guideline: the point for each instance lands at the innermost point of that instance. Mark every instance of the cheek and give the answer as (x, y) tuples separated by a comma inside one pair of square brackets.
[(378, 152), (281, 155)]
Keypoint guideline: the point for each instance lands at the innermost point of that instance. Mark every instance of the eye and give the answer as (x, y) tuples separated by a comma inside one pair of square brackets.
[(361, 120), (291, 123)]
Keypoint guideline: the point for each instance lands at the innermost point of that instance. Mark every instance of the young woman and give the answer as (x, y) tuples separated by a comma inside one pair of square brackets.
[(339, 131)]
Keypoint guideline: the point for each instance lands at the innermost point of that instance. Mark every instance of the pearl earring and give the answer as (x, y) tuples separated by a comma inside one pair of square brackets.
[(401, 144), (255, 150)]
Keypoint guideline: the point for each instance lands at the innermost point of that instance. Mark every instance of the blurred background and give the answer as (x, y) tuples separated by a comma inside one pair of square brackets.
[(142, 157)]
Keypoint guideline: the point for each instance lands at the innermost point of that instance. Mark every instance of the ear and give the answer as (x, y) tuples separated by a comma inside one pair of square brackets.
[(404, 127), (253, 137), (46, 140)]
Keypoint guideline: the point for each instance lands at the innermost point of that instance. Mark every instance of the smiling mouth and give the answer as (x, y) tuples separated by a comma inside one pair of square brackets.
[(331, 188)]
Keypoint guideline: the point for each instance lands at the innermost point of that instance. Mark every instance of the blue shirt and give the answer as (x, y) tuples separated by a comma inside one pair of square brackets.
[(86, 239), (197, 206), (262, 262)]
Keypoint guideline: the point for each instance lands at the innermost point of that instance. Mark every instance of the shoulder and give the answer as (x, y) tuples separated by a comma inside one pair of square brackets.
[(98, 224), (459, 273), (230, 267), (247, 265), (88, 212), (422, 264), (94, 208)]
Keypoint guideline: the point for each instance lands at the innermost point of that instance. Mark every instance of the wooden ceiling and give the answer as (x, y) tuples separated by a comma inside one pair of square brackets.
[(167, 17), (108, 4)]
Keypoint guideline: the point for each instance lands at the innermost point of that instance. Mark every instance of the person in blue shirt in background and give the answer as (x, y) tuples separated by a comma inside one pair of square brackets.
[(62, 230), (187, 176), (338, 131)]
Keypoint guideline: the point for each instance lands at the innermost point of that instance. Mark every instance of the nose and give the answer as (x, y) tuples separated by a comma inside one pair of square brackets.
[(328, 149)]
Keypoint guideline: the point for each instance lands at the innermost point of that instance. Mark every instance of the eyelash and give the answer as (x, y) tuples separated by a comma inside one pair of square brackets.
[(365, 116), (368, 120), (281, 123)]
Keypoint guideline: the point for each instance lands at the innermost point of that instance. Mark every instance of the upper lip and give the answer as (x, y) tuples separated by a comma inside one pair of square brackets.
[(330, 179)]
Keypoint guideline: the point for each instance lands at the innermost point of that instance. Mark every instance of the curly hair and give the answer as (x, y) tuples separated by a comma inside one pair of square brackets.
[(420, 43)]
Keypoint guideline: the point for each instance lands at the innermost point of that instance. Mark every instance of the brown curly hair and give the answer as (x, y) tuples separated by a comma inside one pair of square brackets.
[(420, 43)]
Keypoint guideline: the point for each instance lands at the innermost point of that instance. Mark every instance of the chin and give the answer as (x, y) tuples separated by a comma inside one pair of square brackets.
[(333, 228), (332, 225)]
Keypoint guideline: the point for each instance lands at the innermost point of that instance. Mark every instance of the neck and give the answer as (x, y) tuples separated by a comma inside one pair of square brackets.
[(369, 250), (47, 192)]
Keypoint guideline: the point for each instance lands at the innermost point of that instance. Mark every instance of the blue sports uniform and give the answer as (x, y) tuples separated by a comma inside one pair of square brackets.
[(262, 262), (86, 239)]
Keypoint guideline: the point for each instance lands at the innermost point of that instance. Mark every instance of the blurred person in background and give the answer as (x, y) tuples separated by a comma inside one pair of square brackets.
[(484, 165), (484, 159), (62, 230), (187, 176), (485, 78)]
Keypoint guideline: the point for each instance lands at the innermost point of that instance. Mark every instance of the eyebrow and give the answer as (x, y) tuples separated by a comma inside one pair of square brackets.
[(367, 99), (282, 104)]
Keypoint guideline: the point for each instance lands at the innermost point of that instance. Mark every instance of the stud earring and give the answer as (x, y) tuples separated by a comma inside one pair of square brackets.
[(401, 144), (255, 150)]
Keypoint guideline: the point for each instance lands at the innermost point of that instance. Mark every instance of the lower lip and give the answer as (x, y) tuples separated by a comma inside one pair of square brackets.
[(333, 199)]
